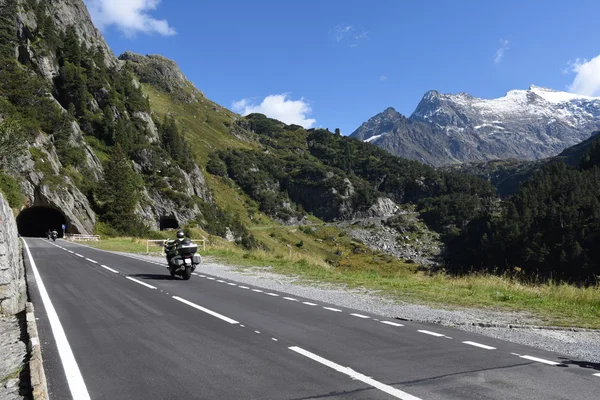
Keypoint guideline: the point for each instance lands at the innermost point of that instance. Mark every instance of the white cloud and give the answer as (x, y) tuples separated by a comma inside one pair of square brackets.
[(280, 107), (504, 46), (383, 78), (129, 16), (587, 78), (348, 34)]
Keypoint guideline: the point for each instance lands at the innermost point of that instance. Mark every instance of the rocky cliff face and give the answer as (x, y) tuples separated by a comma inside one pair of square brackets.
[(163, 73), (525, 124), (12, 273), (46, 180)]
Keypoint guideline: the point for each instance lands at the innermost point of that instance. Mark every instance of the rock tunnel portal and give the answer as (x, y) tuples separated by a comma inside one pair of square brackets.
[(35, 221)]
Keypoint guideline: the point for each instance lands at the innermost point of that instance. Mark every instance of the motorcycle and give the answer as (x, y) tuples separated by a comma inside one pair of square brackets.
[(182, 259), (54, 235)]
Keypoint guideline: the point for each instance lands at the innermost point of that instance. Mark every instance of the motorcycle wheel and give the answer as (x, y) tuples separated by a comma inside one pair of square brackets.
[(172, 271), (187, 274)]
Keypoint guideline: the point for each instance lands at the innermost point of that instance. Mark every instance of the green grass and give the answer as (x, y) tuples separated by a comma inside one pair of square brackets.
[(556, 304)]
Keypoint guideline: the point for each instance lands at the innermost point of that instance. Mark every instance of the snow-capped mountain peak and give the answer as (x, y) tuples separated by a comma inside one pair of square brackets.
[(525, 123)]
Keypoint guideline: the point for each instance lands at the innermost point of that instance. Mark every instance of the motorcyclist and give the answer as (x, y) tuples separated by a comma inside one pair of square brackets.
[(54, 234), (171, 244)]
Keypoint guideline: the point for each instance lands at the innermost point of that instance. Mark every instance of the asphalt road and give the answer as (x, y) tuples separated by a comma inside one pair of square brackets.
[(129, 331)]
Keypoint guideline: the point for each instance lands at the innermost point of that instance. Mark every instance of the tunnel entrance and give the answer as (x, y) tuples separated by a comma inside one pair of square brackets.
[(168, 223), (35, 221)]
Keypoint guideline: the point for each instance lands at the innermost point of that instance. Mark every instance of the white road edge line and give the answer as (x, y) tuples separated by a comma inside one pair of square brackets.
[(483, 346), (399, 394), (432, 333), (74, 377), (332, 309), (110, 269), (92, 261), (360, 316), (391, 323), (541, 360), (206, 310), (140, 282)]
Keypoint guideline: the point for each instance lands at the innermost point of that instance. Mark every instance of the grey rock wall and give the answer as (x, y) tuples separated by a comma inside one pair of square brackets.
[(12, 273)]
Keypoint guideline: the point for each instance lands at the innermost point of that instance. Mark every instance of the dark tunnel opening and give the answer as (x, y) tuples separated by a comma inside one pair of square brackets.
[(168, 223), (36, 221)]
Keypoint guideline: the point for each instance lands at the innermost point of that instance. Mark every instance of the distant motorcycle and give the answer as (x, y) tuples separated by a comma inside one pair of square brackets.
[(182, 258), (54, 235)]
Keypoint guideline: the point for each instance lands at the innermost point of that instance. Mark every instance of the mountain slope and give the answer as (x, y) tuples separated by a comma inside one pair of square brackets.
[(524, 125)]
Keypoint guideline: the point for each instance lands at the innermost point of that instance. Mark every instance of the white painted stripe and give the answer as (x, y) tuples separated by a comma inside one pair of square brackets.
[(92, 261), (397, 393), (79, 255), (257, 290), (432, 333), (212, 279), (244, 287), (360, 316), (202, 276), (483, 346), (193, 273), (309, 303), (290, 299), (541, 360), (332, 309), (220, 281), (273, 339), (74, 378), (140, 282), (110, 269), (232, 284), (598, 375), (206, 310), (391, 323), (72, 252), (272, 294)]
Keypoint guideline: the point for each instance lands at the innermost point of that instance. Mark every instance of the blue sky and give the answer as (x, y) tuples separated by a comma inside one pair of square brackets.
[(335, 63)]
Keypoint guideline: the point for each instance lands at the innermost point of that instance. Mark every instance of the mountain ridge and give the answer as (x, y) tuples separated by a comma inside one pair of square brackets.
[(453, 128)]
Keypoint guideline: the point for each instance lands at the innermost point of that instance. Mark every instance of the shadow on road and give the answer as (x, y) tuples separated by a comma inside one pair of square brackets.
[(582, 364), (153, 277)]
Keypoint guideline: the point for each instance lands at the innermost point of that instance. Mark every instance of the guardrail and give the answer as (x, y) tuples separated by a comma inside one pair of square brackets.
[(79, 237), (149, 241)]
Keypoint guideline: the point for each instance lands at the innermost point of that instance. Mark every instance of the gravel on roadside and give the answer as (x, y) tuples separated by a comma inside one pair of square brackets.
[(574, 343)]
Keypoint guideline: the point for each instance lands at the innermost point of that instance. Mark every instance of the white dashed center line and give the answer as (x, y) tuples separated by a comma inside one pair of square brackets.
[(309, 304), (483, 346), (432, 333), (243, 287), (360, 316), (272, 294), (290, 299), (391, 323), (231, 284), (541, 360), (257, 290), (206, 310), (212, 279), (92, 261), (220, 281), (332, 309), (110, 269), (140, 282), (79, 255), (598, 375), (399, 394), (202, 276)]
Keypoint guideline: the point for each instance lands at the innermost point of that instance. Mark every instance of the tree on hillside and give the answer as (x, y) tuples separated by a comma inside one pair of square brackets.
[(119, 193)]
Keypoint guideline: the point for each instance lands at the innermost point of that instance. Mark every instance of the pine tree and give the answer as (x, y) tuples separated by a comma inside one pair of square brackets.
[(119, 192)]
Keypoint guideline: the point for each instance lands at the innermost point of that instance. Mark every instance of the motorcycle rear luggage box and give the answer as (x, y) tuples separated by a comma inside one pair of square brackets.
[(185, 249)]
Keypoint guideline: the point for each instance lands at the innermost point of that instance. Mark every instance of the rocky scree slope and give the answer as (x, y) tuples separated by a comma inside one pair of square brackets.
[(448, 129)]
